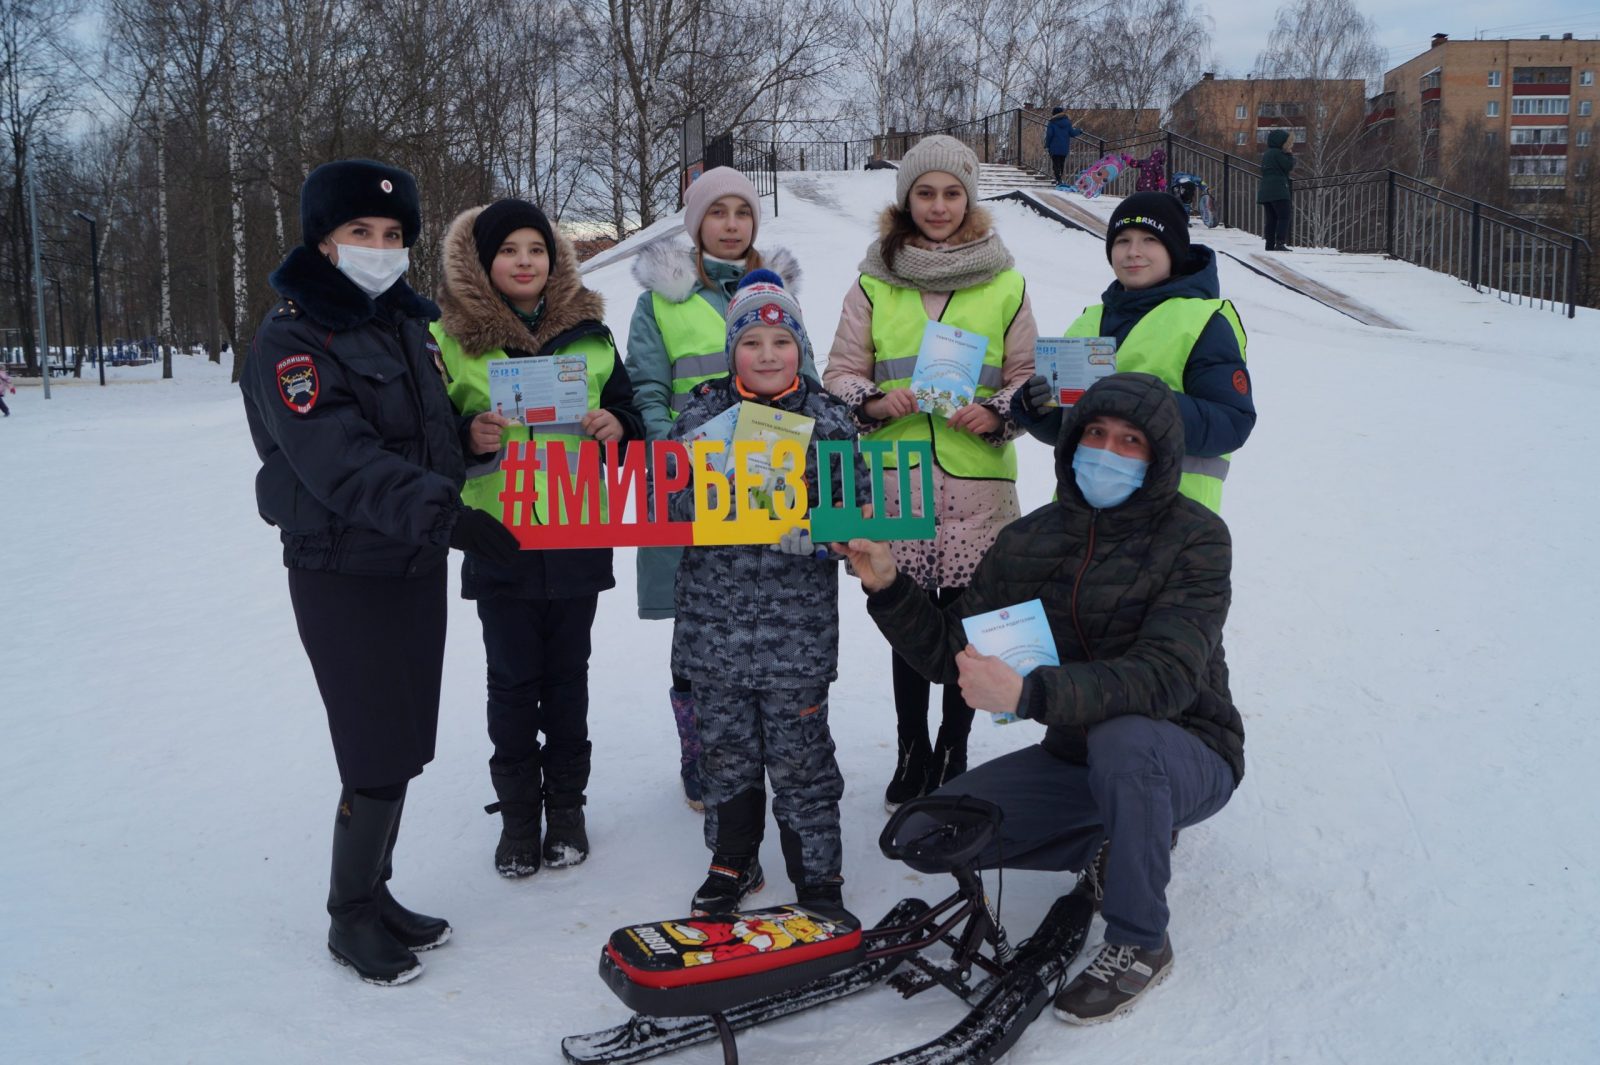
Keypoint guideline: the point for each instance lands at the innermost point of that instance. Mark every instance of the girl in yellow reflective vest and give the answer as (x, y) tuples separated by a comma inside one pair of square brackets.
[(937, 258)]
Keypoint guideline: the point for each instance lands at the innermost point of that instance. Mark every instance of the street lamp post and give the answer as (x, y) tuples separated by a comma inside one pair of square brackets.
[(94, 264), (61, 320)]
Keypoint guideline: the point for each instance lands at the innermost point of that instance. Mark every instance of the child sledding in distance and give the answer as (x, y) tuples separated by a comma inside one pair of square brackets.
[(757, 632)]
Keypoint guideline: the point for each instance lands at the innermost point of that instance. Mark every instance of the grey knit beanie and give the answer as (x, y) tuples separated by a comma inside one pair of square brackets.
[(710, 187), (939, 152)]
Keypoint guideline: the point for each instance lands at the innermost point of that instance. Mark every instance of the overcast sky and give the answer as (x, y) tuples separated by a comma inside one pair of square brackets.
[(1404, 29)]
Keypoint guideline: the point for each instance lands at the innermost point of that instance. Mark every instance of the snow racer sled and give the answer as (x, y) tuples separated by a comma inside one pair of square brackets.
[(692, 980)]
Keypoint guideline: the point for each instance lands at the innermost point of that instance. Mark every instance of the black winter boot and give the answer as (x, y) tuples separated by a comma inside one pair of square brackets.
[(519, 806), (910, 774), (363, 833), (566, 777), (826, 899), (415, 931), (729, 879), (949, 759), (566, 837)]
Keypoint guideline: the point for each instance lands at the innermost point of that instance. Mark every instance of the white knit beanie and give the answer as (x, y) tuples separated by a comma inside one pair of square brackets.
[(939, 152), (710, 187)]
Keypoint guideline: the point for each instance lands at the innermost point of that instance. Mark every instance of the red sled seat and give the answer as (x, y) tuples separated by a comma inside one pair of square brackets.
[(693, 966)]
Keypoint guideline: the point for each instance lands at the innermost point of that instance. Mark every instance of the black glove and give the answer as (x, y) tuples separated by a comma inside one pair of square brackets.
[(477, 533), (1033, 400)]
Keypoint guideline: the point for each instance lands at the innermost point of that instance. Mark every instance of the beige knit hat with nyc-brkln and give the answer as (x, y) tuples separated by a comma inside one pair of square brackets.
[(939, 152)]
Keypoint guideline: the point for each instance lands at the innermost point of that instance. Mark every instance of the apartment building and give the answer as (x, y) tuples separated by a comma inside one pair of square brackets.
[(1526, 105), (1237, 114)]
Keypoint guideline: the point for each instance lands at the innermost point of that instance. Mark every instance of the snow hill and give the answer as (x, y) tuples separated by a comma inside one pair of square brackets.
[(1408, 873)]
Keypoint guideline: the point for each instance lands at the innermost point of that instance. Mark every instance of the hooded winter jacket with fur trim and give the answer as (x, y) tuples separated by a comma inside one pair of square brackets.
[(1136, 594), (475, 326)]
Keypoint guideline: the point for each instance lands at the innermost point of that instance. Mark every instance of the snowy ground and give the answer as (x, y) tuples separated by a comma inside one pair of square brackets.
[(1407, 874)]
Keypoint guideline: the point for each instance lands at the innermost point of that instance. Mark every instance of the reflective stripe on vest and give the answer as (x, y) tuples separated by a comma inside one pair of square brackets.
[(469, 391), (898, 320), (696, 338), (1159, 344)]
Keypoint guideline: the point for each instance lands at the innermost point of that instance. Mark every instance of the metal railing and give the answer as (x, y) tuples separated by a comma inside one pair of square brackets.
[(753, 159), (1517, 259)]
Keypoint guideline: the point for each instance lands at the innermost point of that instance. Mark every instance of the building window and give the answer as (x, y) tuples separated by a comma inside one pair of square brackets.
[(1240, 112), (1542, 76), (1492, 109), (1542, 105), (1541, 165), (1585, 107), (1538, 134), (1583, 138), (1494, 79), (1299, 134), (1279, 110), (1491, 138), (1238, 138), (1586, 77)]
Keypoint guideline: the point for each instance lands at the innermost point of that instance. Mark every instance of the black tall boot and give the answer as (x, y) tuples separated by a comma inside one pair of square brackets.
[(949, 758), (519, 789), (566, 777), (416, 931), (363, 833)]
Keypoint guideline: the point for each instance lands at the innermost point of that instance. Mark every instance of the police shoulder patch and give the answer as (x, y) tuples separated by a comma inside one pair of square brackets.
[(298, 383)]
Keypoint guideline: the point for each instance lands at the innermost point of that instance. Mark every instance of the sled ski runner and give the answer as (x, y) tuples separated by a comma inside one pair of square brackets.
[(695, 980)]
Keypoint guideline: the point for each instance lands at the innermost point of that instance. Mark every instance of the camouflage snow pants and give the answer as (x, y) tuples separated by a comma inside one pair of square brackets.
[(785, 732)]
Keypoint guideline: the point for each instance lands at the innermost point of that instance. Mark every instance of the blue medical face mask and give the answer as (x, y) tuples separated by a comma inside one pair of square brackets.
[(1106, 478)]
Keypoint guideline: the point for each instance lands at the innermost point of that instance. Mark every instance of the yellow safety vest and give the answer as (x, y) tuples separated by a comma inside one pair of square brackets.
[(898, 320), (1159, 344), (696, 338), (469, 391)]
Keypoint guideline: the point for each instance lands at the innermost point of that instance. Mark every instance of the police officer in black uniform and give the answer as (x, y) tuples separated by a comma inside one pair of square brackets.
[(362, 462)]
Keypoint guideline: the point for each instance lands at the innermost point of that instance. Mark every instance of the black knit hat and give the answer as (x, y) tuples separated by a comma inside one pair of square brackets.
[(502, 218), (1155, 212), (336, 192)]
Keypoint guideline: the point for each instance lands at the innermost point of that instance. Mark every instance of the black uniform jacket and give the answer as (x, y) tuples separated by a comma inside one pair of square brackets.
[(361, 451)]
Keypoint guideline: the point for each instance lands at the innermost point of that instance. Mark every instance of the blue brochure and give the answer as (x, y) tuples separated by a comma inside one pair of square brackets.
[(1018, 635)]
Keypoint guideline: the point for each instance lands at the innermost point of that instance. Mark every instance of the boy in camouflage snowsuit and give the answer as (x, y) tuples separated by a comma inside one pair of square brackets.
[(757, 632)]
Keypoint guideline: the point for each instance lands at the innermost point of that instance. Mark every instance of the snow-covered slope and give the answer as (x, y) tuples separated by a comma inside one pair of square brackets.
[(1407, 874)]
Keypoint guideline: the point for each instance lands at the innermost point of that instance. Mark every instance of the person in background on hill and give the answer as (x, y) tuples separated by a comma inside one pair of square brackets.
[(1276, 190), (362, 462), (878, 162), (1165, 312), (511, 290), (937, 258), (1141, 733), (675, 342), (758, 634), (1058, 134), (5, 386)]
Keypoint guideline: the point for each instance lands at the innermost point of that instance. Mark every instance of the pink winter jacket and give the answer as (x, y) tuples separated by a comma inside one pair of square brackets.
[(970, 512)]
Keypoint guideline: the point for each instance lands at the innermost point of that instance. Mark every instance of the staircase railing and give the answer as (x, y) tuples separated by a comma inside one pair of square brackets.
[(1517, 259)]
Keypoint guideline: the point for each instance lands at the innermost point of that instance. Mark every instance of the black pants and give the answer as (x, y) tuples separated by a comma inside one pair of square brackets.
[(1276, 228), (1057, 164), (538, 657), (911, 691)]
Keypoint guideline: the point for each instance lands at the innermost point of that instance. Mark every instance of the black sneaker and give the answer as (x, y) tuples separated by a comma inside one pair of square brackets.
[(728, 881), (1092, 883), (1113, 982)]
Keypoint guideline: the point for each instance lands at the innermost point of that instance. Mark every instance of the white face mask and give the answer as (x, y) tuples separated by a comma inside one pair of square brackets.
[(373, 270)]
